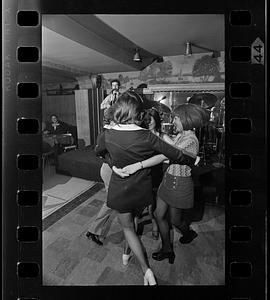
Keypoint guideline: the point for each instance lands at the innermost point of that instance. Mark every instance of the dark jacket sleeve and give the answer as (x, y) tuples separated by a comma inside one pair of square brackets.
[(101, 150), (173, 153)]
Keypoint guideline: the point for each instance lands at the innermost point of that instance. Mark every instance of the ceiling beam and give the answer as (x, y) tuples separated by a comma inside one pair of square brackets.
[(70, 71), (51, 74), (95, 34)]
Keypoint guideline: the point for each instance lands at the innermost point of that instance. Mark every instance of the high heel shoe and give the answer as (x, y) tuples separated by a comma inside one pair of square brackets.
[(126, 258), (188, 237), (161, 255), (149, 278)]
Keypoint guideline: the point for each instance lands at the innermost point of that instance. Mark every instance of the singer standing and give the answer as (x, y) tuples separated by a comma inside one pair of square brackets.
[(113, 96), (99, 226)]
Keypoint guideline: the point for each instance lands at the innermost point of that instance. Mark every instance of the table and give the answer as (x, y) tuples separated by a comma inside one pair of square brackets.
[(54, 139)]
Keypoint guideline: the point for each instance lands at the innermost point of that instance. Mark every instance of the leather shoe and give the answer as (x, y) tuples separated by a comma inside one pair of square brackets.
[(188, 237), (160, 255), (94, 238)]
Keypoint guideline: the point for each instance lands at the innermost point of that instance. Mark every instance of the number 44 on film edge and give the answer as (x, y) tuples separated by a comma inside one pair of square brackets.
[(257, 52)]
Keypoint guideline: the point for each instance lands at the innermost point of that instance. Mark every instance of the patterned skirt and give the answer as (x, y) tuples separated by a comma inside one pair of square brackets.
[(177, 191)]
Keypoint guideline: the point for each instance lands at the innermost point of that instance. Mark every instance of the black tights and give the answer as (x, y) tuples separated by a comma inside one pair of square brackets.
[(177, 217)]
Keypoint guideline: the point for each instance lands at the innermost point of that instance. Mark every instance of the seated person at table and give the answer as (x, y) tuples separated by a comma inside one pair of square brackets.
[(57, 126)]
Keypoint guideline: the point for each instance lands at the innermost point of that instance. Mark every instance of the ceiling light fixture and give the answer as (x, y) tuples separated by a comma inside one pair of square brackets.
[(188, 49), (137, 56), (215, 53)]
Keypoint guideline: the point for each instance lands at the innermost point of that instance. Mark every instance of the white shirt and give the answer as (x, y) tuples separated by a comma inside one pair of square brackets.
[(108, 101)]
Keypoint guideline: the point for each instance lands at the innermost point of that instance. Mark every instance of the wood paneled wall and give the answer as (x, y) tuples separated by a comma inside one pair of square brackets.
[(96, 96), (63, 106), (88, 114), (82, 117)]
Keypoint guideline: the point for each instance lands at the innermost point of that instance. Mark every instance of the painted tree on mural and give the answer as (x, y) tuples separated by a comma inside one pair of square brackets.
[(146, 73), (156, 71), (205, 67), (122, 79), (165, 69)]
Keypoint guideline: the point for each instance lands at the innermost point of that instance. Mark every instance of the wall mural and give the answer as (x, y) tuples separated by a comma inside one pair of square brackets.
[(174, 70)]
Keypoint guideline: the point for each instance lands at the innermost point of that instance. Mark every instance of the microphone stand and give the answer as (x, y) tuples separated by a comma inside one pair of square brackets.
[(114, 93)]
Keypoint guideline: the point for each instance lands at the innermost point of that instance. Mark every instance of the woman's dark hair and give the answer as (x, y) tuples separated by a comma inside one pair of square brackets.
[(191, 115), (152, 112), (142, 86), (128, 109)]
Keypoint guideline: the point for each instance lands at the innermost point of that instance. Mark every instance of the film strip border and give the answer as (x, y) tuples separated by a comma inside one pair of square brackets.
[(245, 146), (245, 155)]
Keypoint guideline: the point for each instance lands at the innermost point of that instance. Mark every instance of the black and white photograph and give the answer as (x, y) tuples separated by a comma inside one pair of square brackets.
[(133, 149), (134, 143)]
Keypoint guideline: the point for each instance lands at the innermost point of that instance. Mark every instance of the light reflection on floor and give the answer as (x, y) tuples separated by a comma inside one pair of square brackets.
[(58, 190)]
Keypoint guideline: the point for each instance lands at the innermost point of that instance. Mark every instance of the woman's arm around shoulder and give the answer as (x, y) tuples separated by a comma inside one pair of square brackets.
[(167, 139), (175, 154)]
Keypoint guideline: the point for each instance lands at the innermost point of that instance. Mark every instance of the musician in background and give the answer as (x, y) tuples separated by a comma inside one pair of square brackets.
[(113, 96)]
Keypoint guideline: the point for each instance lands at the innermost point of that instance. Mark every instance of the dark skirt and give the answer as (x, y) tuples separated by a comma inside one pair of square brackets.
[(177, 191), (130, 194)]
